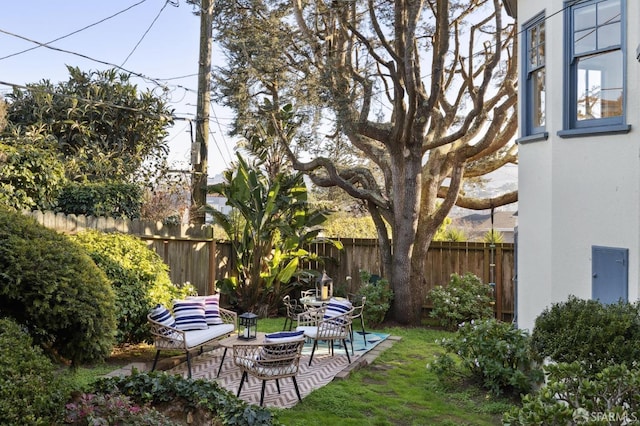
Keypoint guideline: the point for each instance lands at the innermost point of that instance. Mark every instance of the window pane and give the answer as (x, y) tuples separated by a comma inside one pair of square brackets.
[(599, 86), (539, 97), (584, 17), (609, 35), (585, 41), (608, 11)]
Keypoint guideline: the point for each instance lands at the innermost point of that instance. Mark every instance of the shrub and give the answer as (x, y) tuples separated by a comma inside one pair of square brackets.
[(113, 199), (91, 409), (30, 175), (589, 332), (186, 396), (30, 393), (570, 396), (50, 285), (494, 353), (139, 277), (379, 296), (464, 299)]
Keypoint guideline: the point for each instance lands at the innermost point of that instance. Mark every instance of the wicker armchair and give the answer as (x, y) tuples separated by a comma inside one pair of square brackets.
[(329, 329), (269, 361)]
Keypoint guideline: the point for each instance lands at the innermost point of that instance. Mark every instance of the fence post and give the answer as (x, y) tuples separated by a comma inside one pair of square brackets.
[(212, 267)]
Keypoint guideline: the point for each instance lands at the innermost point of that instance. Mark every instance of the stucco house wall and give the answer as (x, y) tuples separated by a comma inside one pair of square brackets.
[(575, 192)]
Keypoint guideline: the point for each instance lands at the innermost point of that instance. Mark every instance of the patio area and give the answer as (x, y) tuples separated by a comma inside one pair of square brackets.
[(323, 370)]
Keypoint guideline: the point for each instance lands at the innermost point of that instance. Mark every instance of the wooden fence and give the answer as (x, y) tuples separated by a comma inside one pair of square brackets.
[(194, 255)]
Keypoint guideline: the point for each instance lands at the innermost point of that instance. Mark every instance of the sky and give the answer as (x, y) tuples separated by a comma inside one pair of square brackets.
[(157, 39)]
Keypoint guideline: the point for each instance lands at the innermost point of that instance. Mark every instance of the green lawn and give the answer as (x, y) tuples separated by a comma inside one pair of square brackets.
[(397, 389)]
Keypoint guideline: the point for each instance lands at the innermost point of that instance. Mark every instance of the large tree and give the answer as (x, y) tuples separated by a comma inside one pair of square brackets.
[(422, 91)]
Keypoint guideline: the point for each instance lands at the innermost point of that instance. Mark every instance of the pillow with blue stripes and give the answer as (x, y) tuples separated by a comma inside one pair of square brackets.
[(283, 336), (337, 307), (189, 314), (163, 316), (211, 308)]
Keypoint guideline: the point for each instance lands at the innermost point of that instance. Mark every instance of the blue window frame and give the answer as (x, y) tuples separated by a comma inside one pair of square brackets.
[(534, 78), (594, 100)]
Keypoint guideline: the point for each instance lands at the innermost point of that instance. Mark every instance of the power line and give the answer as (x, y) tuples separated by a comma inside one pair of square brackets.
[(74, 32), (144, 77), (147, 31)]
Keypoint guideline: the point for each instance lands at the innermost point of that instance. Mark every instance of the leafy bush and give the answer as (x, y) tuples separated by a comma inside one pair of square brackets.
[(50, 285), (139, 277), (465, 298), (30, 393), (379, 296), (91, 409), (159, 389), (113, 199), (494, 353), (30, 175), (589, 332), (570, 397)]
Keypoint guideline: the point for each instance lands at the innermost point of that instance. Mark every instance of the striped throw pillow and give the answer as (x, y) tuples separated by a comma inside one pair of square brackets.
[(189, 315), (163, 316), (211, 308), (337, 307)]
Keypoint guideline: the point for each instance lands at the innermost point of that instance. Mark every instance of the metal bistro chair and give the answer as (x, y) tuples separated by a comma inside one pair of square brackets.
[(358, 312), (294, 309), (327, 328)]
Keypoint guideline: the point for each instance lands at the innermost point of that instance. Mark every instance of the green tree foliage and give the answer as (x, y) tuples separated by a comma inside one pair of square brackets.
[(31, 175), (493, 237), (270, 228), (104, 126), (400, 109), (30, 391), (345, 225), (138, 276), (51, 286), (588, 332), (454, 235)]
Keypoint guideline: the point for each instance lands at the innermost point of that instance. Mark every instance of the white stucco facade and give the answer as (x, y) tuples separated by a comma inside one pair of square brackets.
[(575, 192)]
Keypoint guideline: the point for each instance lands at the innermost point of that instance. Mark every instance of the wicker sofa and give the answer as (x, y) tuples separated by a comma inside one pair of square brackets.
[(170, 338)]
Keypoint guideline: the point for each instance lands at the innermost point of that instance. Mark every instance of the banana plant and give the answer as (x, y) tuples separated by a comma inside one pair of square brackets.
[(270, 227)]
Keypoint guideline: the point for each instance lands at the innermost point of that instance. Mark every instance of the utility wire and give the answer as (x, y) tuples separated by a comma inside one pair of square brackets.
[(147, 31), (144, 77), (74, 32)]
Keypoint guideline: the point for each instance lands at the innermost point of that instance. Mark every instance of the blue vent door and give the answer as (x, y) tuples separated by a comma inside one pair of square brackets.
[(610, 274)]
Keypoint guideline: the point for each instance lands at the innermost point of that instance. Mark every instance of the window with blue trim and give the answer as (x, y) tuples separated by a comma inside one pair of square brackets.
[(595, 79), (534, 76)]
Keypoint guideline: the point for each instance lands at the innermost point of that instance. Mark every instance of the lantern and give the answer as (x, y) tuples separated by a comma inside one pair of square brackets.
[(248, 325), (324, 287)]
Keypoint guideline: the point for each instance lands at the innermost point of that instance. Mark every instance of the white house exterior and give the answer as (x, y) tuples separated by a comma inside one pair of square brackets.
[(579, 152)]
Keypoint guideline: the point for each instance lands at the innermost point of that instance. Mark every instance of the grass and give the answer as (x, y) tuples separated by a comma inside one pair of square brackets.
[(397, 389)]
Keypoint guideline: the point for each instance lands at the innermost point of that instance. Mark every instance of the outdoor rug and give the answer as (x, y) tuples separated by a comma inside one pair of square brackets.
[(322, 371)]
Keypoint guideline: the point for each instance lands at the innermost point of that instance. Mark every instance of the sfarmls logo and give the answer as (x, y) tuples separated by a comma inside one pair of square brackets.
[(624, 417)]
